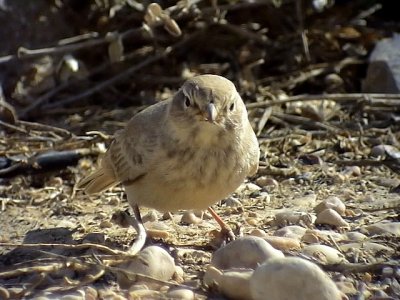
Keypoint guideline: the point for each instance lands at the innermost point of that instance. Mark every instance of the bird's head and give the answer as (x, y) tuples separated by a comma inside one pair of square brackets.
[(208, 103)]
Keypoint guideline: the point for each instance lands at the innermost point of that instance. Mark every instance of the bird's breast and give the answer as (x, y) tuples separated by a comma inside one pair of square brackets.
[(191, 178)]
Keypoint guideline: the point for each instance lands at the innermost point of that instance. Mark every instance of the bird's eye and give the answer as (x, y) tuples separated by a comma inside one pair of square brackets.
[(232, 106), (187, 101)]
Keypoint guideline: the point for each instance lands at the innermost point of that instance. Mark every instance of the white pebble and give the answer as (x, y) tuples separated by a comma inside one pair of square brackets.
[(332, 202), (288, 217), (180, 294), (189, 218), (331, 217), (153, 261), (232, 202), (245, 252)]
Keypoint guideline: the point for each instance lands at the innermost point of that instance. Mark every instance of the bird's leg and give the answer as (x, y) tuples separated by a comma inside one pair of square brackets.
[(137, 223), (226, 231)]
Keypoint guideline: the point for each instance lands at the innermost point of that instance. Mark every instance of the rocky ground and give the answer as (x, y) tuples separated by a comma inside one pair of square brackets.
[(327, 189)]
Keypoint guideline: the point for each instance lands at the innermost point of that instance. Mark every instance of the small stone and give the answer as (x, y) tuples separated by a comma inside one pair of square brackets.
[(257, 250), (331, 202), (288, 217), (180, 294), (267, 182), (151, 216), (138, 287), (258, 232), (157, 230), (331, 217), (143, 294), (153, 261), (387, 272), (352, 171), (189, 218), (232, 202)]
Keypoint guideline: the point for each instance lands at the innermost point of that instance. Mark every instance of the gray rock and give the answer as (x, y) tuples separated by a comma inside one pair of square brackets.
[(383, 75)]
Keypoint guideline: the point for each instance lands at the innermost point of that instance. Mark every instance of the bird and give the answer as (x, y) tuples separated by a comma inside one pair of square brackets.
[(185, 153)]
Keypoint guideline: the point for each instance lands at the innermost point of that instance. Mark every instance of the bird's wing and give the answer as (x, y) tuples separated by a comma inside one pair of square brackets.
[(131, 151)]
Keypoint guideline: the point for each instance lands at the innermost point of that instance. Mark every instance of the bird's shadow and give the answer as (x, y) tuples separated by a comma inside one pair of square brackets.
[(50, 258)]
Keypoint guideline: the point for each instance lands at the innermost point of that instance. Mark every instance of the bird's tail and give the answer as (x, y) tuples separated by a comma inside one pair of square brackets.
[(100, 180)]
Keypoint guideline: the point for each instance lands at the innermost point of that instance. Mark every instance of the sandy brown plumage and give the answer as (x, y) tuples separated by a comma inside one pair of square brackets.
[(184, 153)]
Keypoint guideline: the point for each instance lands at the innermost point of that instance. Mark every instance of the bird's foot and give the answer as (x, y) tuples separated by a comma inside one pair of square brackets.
[(124, 219), (222, 237)]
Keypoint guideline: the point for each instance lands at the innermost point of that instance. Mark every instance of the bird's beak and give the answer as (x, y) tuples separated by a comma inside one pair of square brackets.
[(211, 112)]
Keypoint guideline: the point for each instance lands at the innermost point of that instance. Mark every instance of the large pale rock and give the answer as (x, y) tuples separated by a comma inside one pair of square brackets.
[(292, 278), (383, 74)]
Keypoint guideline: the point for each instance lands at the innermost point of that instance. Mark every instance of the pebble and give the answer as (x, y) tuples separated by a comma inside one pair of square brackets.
[(332, 202), (153, 261), (232, 202), (387, 271), (258, 232), (151, 216), (267, 182), (143, 294), (351, 171), (180, 294), (324, 254), (106, 224), (289, 217), (292, 278), (189, 218), (245, 252), (331, 217), (157, 230), (248, 188)]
